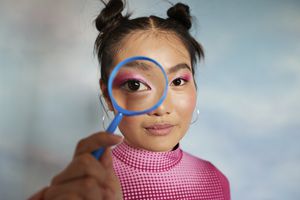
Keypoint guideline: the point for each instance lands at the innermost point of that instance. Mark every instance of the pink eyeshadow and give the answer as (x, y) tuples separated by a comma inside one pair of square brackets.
[(123, 77), (187, 76)]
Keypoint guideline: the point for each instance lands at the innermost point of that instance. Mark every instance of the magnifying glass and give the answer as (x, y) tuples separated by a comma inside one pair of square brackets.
[(136, 86)]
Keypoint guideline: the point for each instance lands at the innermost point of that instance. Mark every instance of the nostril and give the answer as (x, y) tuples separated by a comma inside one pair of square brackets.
[(160, 111), (165, 108)]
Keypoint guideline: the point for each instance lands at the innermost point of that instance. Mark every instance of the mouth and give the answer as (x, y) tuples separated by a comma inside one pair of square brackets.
[(159, 129)]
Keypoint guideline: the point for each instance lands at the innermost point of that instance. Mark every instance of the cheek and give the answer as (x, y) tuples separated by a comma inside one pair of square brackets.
[(186, 107), (130, 123), (186, 104)]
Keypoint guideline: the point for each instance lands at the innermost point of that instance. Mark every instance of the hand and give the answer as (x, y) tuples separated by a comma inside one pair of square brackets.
[(86, 178)]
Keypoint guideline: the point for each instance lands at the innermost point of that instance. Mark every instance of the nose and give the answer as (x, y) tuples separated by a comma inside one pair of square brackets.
[(165, 108)]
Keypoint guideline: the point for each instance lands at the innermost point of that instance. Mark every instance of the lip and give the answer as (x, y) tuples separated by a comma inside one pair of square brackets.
[(159, 129)]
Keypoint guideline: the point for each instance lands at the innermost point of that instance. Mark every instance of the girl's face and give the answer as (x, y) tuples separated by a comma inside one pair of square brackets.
[(163, 128)]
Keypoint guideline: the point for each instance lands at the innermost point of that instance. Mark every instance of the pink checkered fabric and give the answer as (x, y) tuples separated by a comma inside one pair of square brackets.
[(167, 175)]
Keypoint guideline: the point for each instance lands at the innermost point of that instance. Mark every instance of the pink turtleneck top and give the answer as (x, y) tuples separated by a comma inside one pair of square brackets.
[(167, 175)]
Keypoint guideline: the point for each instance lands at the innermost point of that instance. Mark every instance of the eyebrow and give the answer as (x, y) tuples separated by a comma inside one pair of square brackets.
[(138, 65), (145, 66), (178, 67)]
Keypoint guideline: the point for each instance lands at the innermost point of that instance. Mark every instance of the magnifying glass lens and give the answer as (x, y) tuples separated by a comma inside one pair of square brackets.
[(138, 85)]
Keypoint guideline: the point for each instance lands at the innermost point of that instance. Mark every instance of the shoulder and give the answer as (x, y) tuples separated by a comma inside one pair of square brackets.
[(199, 163), (206, 167)]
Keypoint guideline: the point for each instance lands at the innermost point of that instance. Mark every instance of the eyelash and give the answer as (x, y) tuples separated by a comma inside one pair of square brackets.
[(181, 79), (125, 85)]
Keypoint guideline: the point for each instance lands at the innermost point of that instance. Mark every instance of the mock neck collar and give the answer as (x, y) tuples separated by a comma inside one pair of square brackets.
[(147, 160)]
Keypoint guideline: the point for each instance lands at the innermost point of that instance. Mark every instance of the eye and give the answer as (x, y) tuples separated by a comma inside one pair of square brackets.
[(135, 86), (178, 82)]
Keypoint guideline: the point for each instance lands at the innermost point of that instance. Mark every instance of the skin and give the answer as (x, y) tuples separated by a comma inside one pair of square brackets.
[(178, 107), (86, 178)]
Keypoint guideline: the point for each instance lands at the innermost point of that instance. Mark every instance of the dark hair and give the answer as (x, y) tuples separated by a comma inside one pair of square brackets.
[(113, 27)]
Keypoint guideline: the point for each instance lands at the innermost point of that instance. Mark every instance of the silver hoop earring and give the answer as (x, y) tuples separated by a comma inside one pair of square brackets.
[(195, 118), (103, 122), (105, 111)]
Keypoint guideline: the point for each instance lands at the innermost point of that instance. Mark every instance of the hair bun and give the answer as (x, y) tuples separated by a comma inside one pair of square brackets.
[(110, 16), (181, 13)]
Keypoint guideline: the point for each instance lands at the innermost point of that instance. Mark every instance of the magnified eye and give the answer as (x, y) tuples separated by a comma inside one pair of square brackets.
[(135, 86)]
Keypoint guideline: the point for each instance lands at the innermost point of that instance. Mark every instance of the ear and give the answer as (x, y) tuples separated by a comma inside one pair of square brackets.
[(104, 91)]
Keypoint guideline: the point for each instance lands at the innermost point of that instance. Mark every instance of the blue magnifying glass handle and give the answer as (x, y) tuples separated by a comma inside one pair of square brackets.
[(111, 129)]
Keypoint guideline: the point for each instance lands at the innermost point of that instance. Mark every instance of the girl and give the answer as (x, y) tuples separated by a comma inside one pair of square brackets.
[(148, 162)]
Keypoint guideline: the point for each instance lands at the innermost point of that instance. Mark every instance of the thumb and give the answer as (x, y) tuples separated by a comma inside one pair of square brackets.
[(106, 158)]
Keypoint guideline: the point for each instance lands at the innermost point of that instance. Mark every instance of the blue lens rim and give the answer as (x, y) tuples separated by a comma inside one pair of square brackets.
[(114, 73)]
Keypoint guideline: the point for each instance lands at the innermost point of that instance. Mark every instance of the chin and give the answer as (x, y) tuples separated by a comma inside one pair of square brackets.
[(154, 143), (160, 146)]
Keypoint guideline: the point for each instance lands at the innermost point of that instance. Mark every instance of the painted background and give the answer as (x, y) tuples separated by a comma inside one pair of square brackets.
[(248, 87)]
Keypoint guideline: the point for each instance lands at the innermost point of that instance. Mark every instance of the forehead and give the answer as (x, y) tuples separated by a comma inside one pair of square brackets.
[(164, 47)]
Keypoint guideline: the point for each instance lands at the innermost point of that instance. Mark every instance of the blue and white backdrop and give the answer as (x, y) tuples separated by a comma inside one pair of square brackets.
[(248, 88)]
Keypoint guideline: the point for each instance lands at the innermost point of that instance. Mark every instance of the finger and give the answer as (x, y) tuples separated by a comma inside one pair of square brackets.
[(106, 159), (95, 141), (86, 188), (82, 166), (112, 183), (39, 195), (68, 197), (113, 187)]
